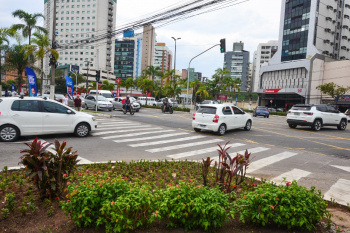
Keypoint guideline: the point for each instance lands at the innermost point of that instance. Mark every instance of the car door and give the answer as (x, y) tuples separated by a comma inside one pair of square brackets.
[(56, 119), (228, 117), (240, 117), (117, 103), (324, 114), (28, 116), (91, 101), (333, 116)]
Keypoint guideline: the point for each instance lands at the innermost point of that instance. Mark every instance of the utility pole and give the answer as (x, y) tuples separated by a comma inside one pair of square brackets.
[(175, 55), (53, 66), (87, 75)]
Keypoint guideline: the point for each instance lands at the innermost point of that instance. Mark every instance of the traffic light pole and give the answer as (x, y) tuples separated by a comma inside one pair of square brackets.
[(188, 71), (53, 66)]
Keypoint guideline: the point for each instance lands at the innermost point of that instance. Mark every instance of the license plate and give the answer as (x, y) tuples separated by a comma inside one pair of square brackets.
[(297, 113), (202, 125)]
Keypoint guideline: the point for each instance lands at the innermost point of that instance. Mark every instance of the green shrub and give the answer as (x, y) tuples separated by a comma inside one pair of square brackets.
[(290, 206), (189, 206), (10, 201)]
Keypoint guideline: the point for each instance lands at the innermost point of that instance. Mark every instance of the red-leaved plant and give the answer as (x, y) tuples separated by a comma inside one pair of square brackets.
[(49, 171)]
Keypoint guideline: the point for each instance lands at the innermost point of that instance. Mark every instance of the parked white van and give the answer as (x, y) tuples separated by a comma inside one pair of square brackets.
[(150, 100), (104, 93)]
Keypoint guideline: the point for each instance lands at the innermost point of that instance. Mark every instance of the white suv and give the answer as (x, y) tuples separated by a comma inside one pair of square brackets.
[(24, 116), (220, 118), (316, 116)]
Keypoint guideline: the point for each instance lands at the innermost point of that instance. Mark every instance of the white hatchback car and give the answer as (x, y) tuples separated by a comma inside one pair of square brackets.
[(220, 118), (24, 116)]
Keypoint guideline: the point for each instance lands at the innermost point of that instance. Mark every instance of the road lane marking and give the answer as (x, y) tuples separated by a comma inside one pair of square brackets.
[(110, 125), (342, 168), (137, 134), (340, 191), (203, 151), (166, 141), (253, 150), (147, 138), (295, 174), (123, 127), (269, 160), (184, 145), (123, 131)]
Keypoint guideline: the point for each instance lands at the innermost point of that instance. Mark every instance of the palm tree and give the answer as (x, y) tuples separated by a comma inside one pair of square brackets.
[(30, 21), (107, 86), (5, 33), (202, 91), (195, 85), (221, 74), (229, 83), (173, 91), (92, 85), (146, 86), (129, 83), (153, 71), (40, 45), (158, 91)]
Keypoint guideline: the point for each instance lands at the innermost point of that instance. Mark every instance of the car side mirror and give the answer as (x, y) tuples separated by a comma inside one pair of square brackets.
[(69, 111)]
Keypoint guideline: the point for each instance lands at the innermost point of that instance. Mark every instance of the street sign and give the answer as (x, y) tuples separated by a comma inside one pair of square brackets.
[(221, 97), (118, 81), (75, 69)]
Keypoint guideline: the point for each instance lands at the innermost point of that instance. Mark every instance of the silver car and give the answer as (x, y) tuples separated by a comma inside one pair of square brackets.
[(117, 104), (172, 101), (102, 103)]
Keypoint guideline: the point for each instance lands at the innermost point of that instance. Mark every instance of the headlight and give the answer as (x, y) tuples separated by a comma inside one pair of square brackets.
[(94, 119)]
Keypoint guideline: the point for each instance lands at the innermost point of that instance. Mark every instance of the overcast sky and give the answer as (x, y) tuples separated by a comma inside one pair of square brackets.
[(252, 22)]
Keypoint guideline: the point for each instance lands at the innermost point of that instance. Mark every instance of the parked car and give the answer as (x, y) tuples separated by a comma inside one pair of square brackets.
[(220, 118), (102, 103), (107, 94), (316, 116), (280, 110), (150, 100), (26, 116), (206, 102), (172, 101), (272, 109), (261, 111), (117, 103)]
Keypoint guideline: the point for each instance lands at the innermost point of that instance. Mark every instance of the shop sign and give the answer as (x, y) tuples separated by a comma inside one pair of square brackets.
[(221, 97), (271, 90)]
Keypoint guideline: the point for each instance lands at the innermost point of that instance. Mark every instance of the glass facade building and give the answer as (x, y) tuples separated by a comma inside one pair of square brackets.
[(296, 29), (124, 59)]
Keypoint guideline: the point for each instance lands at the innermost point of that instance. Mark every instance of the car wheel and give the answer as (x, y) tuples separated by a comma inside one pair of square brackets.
[(248, 125), (82, 130), (342, 125), (316, 125), (86, 107), (8, 133), (292, 126), (222, 129), (197, 130)]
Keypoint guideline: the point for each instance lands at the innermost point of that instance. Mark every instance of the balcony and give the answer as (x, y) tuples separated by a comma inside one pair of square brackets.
[(109, 42)]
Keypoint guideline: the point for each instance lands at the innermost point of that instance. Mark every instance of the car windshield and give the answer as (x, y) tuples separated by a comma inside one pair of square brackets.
[(173, 100), (298, 107), (207, 110), (107, 95), (101, 98)]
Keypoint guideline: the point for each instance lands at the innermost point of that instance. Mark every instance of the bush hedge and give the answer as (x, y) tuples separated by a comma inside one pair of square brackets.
[(175, 108)]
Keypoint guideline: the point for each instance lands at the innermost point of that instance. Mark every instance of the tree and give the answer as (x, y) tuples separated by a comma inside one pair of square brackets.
[(173, 91), (107, 86), (30, 21), (40, 45), (195, 85), (153, 71), (229, 83), (5, 34), (202, 92), (159, 91), (221, 73), (129, 83), (145, 85), (332, 89)]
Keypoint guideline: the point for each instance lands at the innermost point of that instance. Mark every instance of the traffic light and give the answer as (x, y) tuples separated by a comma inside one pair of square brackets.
[(52, 60), (223, 45), (98, 75)]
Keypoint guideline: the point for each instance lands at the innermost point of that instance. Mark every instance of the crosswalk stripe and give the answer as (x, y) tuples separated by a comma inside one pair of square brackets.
[(340, 191), (342, 168), (166, 141), (253, 150), (202, 151), (184, 145), (138, 134), (269, 160), (110, 125), (123, 131), (147, 138), (295, 174), (114, 123), (123, 127)]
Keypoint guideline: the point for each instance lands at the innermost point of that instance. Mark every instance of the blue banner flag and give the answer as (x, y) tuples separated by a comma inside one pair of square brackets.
[(32, 82), (70, 87), (13, 87)]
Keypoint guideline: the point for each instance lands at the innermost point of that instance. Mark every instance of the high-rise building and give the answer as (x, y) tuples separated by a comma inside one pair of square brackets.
[(308, 29), (263, 54), (237, 62), (83, 30), (163, 57), (148, 46)]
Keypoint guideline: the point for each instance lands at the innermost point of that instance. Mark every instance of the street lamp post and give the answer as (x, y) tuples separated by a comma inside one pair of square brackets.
[(175, 53)]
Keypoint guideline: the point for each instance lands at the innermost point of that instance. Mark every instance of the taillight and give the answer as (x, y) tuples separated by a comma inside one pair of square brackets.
[(194, 116), (308, 113), (258, 109), (216, 119)]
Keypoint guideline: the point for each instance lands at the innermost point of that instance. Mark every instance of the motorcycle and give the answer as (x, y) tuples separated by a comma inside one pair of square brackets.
[(129, 108), (168, 108)]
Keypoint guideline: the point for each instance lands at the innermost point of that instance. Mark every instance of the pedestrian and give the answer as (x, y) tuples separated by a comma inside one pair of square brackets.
[(65, 100), (77, 103), (6, 93)]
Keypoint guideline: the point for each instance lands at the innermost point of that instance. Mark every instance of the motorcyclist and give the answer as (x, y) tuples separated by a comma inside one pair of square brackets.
[(127, 103), (165, 103)]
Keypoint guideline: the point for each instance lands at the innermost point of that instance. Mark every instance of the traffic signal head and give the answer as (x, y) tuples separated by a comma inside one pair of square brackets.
[(98, 75), (223, 45)]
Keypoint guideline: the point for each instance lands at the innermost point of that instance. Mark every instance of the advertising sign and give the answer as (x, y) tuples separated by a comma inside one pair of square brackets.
[(221, 97), (271, 90), (70, 88), (32, 82)]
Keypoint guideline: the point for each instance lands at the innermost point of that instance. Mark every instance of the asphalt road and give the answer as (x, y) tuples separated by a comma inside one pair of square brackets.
[(312, 158)]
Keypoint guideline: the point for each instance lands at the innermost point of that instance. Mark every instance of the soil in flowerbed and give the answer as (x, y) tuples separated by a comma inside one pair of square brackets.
[(31, 214)]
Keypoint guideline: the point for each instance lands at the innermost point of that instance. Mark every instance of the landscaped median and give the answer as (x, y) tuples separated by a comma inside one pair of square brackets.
[(175, 108), (151, 196)]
